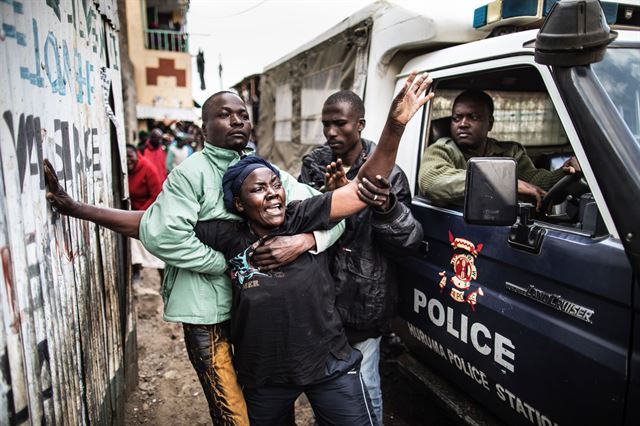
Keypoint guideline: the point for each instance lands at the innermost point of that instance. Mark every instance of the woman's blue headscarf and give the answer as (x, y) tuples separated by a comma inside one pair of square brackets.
[(236, 174)]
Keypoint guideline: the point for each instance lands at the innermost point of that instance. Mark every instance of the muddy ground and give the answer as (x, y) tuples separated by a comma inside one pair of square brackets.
[(169, 392)]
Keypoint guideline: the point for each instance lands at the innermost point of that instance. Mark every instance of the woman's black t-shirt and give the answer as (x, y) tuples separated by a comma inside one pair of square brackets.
[(284, 323)]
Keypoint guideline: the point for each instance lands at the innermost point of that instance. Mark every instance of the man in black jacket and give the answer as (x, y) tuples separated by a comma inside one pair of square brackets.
[(366, 278)]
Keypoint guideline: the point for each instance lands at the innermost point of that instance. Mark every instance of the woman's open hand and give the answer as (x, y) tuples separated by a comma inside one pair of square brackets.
[(409, 99)]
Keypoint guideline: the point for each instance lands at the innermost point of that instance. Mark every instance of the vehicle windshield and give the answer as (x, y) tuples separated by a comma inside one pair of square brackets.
[(619, 73)]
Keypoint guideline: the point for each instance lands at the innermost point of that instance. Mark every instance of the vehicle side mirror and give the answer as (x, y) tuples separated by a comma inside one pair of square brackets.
[(491, 191)]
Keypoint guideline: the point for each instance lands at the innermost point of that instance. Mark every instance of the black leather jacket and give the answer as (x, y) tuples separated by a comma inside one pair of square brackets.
[(362, 266)]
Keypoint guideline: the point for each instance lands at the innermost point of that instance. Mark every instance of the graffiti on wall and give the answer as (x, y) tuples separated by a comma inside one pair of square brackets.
[(61, 296)]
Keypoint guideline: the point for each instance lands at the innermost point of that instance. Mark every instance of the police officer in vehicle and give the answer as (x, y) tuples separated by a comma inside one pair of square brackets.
[(443, 170)]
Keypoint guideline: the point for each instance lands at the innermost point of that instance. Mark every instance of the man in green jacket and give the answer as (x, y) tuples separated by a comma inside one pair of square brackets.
[(443, 169), (196, 289)]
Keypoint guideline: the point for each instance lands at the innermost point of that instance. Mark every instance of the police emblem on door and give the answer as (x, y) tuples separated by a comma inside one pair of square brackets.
[(465, 272)]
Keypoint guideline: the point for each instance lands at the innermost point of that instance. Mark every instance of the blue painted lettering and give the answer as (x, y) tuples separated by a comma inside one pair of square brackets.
[(35, 78), (51, 50)]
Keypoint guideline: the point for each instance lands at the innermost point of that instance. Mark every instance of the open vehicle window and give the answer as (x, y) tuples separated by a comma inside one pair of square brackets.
[(525, 117), (523, 113)]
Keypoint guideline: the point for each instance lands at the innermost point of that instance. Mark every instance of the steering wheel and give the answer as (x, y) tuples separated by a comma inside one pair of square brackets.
[(558, 192)]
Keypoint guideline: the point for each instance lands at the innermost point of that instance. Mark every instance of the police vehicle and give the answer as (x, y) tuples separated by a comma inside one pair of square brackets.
[(535, 317), (537, 321)]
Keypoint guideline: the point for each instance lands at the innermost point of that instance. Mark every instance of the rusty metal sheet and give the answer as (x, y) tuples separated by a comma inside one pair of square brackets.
[(65, 305)]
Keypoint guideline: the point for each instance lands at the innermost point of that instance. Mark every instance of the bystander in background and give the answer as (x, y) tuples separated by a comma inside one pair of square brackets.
[(144, 186), (178, 151), (154, 152)]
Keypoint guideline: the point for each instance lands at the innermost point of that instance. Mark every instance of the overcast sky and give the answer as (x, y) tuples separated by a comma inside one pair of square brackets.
[(251, 34)]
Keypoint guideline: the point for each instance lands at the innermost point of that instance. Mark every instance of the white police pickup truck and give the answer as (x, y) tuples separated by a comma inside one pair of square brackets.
[(539, 321)]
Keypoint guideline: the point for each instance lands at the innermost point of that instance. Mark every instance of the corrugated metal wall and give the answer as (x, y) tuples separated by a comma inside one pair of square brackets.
[(67, 326)]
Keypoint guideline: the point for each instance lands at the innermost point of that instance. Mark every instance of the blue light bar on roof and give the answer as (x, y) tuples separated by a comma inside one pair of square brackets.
[(513, 8), (480, 17), (526, 13), (509, 12)]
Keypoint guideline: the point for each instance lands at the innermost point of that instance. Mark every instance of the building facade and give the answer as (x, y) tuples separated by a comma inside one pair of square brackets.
[(158, 47)]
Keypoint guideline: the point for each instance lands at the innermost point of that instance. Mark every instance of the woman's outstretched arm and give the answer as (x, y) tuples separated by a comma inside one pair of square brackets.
[(122, 221)]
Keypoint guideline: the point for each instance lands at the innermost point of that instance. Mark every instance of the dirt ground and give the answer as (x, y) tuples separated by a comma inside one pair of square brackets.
[(169, 392)]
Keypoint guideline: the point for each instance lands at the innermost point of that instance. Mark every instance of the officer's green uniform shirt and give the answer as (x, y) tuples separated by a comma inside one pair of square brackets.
[(195, 288), (444, 168)]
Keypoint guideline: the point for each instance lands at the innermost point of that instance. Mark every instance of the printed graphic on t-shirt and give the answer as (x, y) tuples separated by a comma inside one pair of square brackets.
[(241, 269)]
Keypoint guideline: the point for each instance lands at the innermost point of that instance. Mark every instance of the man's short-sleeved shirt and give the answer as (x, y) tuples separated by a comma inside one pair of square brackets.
[(284, 323)]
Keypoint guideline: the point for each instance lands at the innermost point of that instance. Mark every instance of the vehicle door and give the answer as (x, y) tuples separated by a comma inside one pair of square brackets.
[(537, 335)]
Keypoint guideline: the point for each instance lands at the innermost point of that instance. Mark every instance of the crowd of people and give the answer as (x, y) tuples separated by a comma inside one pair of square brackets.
[(285, 286), (148, 165)]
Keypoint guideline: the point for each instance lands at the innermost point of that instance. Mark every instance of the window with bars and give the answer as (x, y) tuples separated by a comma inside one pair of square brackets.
[(316, 88), (167, 40), (282, 131)]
